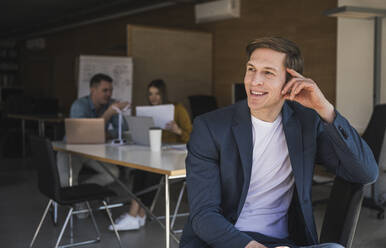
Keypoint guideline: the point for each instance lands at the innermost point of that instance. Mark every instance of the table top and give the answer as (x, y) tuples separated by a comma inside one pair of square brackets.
[(167, 162), (45, 118)]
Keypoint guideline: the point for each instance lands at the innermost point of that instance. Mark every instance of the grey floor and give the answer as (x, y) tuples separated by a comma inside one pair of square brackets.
[(21, 207)]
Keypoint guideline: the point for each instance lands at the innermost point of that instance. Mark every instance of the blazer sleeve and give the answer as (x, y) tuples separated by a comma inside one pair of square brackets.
[(204, 191), (342, 150)]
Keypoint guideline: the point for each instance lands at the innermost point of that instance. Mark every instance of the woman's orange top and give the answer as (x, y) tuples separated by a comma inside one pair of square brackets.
[(181, 117)]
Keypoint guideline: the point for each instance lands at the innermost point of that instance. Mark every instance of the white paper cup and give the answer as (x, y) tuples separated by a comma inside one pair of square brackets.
[(155, 137)]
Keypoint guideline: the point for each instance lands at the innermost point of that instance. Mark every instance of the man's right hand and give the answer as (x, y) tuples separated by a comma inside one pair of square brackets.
[(112, 108), (111, 111), (120, 105), (255, 244)]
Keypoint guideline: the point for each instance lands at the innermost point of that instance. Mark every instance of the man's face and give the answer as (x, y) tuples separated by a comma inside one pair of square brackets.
[(264, 79), (101, 93)]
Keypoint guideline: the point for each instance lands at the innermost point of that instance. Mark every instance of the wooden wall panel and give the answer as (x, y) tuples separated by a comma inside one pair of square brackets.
[(182, 58), (39, 75)]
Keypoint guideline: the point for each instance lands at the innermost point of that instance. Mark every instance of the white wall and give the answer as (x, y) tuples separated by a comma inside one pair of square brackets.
[(355, 55)]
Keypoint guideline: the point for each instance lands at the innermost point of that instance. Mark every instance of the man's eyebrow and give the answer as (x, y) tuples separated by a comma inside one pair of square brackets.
[(270, 68), (266, 67)]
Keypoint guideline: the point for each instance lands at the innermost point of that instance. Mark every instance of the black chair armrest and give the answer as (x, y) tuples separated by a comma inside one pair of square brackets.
[(342, 213)]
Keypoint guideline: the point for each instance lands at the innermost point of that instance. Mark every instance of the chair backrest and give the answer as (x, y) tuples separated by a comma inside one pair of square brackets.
[(200, 104), (44, 159), (342, 213), (375, 130)]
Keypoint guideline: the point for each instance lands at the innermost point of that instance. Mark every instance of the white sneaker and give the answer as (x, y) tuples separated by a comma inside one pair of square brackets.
[(141, 220), (126, 222)]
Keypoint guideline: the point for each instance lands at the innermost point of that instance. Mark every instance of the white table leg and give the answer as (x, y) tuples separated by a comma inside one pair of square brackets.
[(167, 211)]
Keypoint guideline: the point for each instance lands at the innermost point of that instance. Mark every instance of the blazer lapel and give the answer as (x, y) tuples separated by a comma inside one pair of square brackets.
[(242, 131), (293, 134)]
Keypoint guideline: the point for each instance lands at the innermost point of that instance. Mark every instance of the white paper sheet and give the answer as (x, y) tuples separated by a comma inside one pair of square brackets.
[(161, 114)]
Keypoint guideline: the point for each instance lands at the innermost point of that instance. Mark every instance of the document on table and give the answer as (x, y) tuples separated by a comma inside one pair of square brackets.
[(161, 114)]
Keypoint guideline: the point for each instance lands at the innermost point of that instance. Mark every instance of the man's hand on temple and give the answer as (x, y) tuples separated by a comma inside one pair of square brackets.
[(306, 92)]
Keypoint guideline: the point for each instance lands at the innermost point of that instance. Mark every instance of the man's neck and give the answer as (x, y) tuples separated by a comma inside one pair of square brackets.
[(267, 115)]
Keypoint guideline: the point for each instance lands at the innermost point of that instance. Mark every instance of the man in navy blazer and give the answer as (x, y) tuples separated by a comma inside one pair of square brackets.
[(250, 165)]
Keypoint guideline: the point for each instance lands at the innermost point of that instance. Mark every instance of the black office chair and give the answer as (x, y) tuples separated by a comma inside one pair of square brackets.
[(200, 104), (342, 213), (374, 135), (3, 139), (49, 185)]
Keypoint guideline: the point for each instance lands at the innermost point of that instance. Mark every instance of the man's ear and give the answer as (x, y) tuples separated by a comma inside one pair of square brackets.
[(92, 90)]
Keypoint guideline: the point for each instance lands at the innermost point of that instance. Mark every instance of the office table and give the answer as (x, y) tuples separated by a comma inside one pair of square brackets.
[(41, 119), (169, 162)]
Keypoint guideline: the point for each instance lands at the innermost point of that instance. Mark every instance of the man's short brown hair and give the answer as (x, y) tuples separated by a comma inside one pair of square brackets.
[(293, 59), (98, 78)]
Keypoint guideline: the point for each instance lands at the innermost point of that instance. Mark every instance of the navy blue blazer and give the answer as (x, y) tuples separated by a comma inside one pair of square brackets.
[(219, 165)]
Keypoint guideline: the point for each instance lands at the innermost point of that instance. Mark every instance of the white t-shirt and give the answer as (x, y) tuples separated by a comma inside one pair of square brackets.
[(271, 185)]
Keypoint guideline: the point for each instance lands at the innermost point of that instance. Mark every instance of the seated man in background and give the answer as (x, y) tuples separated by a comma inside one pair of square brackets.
[(98, 104)]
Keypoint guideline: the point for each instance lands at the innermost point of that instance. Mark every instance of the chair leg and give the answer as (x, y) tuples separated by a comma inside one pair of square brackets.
[(155, 199), (178, 204), (41, 222), (64, 227), (69, 219), (72, 229), (55, 213), (93, 221), (112, 223)]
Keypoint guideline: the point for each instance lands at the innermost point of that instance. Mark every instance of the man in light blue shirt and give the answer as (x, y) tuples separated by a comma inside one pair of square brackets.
[(98, 104), (84, 108)]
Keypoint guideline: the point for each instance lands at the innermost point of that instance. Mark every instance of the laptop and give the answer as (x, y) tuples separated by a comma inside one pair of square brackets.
[(85, 130), (139, 129)]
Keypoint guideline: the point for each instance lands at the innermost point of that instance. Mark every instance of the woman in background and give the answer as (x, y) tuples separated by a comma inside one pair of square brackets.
[(176, 131)]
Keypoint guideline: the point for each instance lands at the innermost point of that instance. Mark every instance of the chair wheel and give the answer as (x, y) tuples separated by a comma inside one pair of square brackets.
[(381, 215)]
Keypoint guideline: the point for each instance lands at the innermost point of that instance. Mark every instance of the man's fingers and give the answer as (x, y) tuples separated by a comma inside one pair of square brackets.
[(294, 73), (289, 85), (294, 90), (123, 105), (298, 87)]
